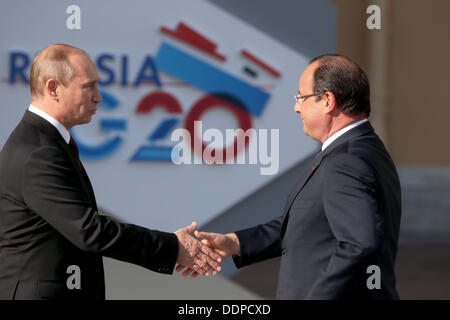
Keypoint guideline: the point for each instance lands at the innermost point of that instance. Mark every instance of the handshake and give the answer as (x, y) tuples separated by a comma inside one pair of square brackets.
[(203, 256)]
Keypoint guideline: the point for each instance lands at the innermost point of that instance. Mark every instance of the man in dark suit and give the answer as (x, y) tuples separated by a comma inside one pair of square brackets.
[(341, 220), (52, 238)]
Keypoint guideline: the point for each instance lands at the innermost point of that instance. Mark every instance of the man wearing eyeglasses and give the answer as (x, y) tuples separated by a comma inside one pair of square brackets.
[(337, 236)]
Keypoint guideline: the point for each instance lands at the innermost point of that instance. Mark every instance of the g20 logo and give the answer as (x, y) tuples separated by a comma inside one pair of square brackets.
[(223, 90)]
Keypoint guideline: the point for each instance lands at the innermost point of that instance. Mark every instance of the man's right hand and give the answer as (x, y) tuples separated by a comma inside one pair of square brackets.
[(224, 244), (194, 255)]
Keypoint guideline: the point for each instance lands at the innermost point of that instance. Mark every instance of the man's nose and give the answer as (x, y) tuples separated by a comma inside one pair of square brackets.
[(297, 107), (97, 96)]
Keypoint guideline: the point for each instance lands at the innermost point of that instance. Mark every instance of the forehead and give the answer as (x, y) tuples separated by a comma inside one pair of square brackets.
[(84, 67), (307, 77)]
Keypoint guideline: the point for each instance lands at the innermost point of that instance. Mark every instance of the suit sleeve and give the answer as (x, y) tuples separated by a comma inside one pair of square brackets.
[(351, 209), (259, 243), (52, 189)]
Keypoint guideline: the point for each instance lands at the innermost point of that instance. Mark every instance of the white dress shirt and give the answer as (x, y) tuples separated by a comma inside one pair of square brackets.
[(339, 133), (61, 129)]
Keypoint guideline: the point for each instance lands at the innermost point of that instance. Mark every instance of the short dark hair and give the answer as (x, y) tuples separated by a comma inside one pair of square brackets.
[(346, 80)]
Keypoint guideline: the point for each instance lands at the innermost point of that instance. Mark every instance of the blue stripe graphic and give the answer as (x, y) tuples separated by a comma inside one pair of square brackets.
[(107, 125), (153, 154), (163, 129), (209, 78)]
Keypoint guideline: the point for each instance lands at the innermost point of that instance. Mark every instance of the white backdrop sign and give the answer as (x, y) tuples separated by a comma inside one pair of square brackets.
[(163, 65)]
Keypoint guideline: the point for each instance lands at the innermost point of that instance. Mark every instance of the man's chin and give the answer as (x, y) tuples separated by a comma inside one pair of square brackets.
[(86, 120)]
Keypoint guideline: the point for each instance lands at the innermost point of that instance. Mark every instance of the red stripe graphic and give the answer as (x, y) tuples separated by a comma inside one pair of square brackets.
[(261, 63), (188, 35)]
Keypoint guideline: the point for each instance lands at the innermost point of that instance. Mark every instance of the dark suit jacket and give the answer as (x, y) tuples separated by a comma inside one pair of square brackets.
[(49, 221), (342, 216)]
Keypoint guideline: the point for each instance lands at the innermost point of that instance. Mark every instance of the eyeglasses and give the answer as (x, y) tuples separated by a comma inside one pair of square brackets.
[(300, 99)]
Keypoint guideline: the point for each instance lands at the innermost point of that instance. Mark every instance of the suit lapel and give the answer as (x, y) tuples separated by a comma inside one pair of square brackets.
[(362, 129), (84, 179), (89, 185), (312, 166)]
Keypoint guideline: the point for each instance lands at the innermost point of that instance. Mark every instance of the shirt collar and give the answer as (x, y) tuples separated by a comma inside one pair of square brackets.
[(339, 133), (58, 125)]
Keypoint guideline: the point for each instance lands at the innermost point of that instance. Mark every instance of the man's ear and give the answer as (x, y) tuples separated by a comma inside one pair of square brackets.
[(53, 89), (330, 101)]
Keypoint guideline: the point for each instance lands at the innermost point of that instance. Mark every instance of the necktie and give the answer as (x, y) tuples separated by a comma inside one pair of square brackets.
[(74, 148)]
